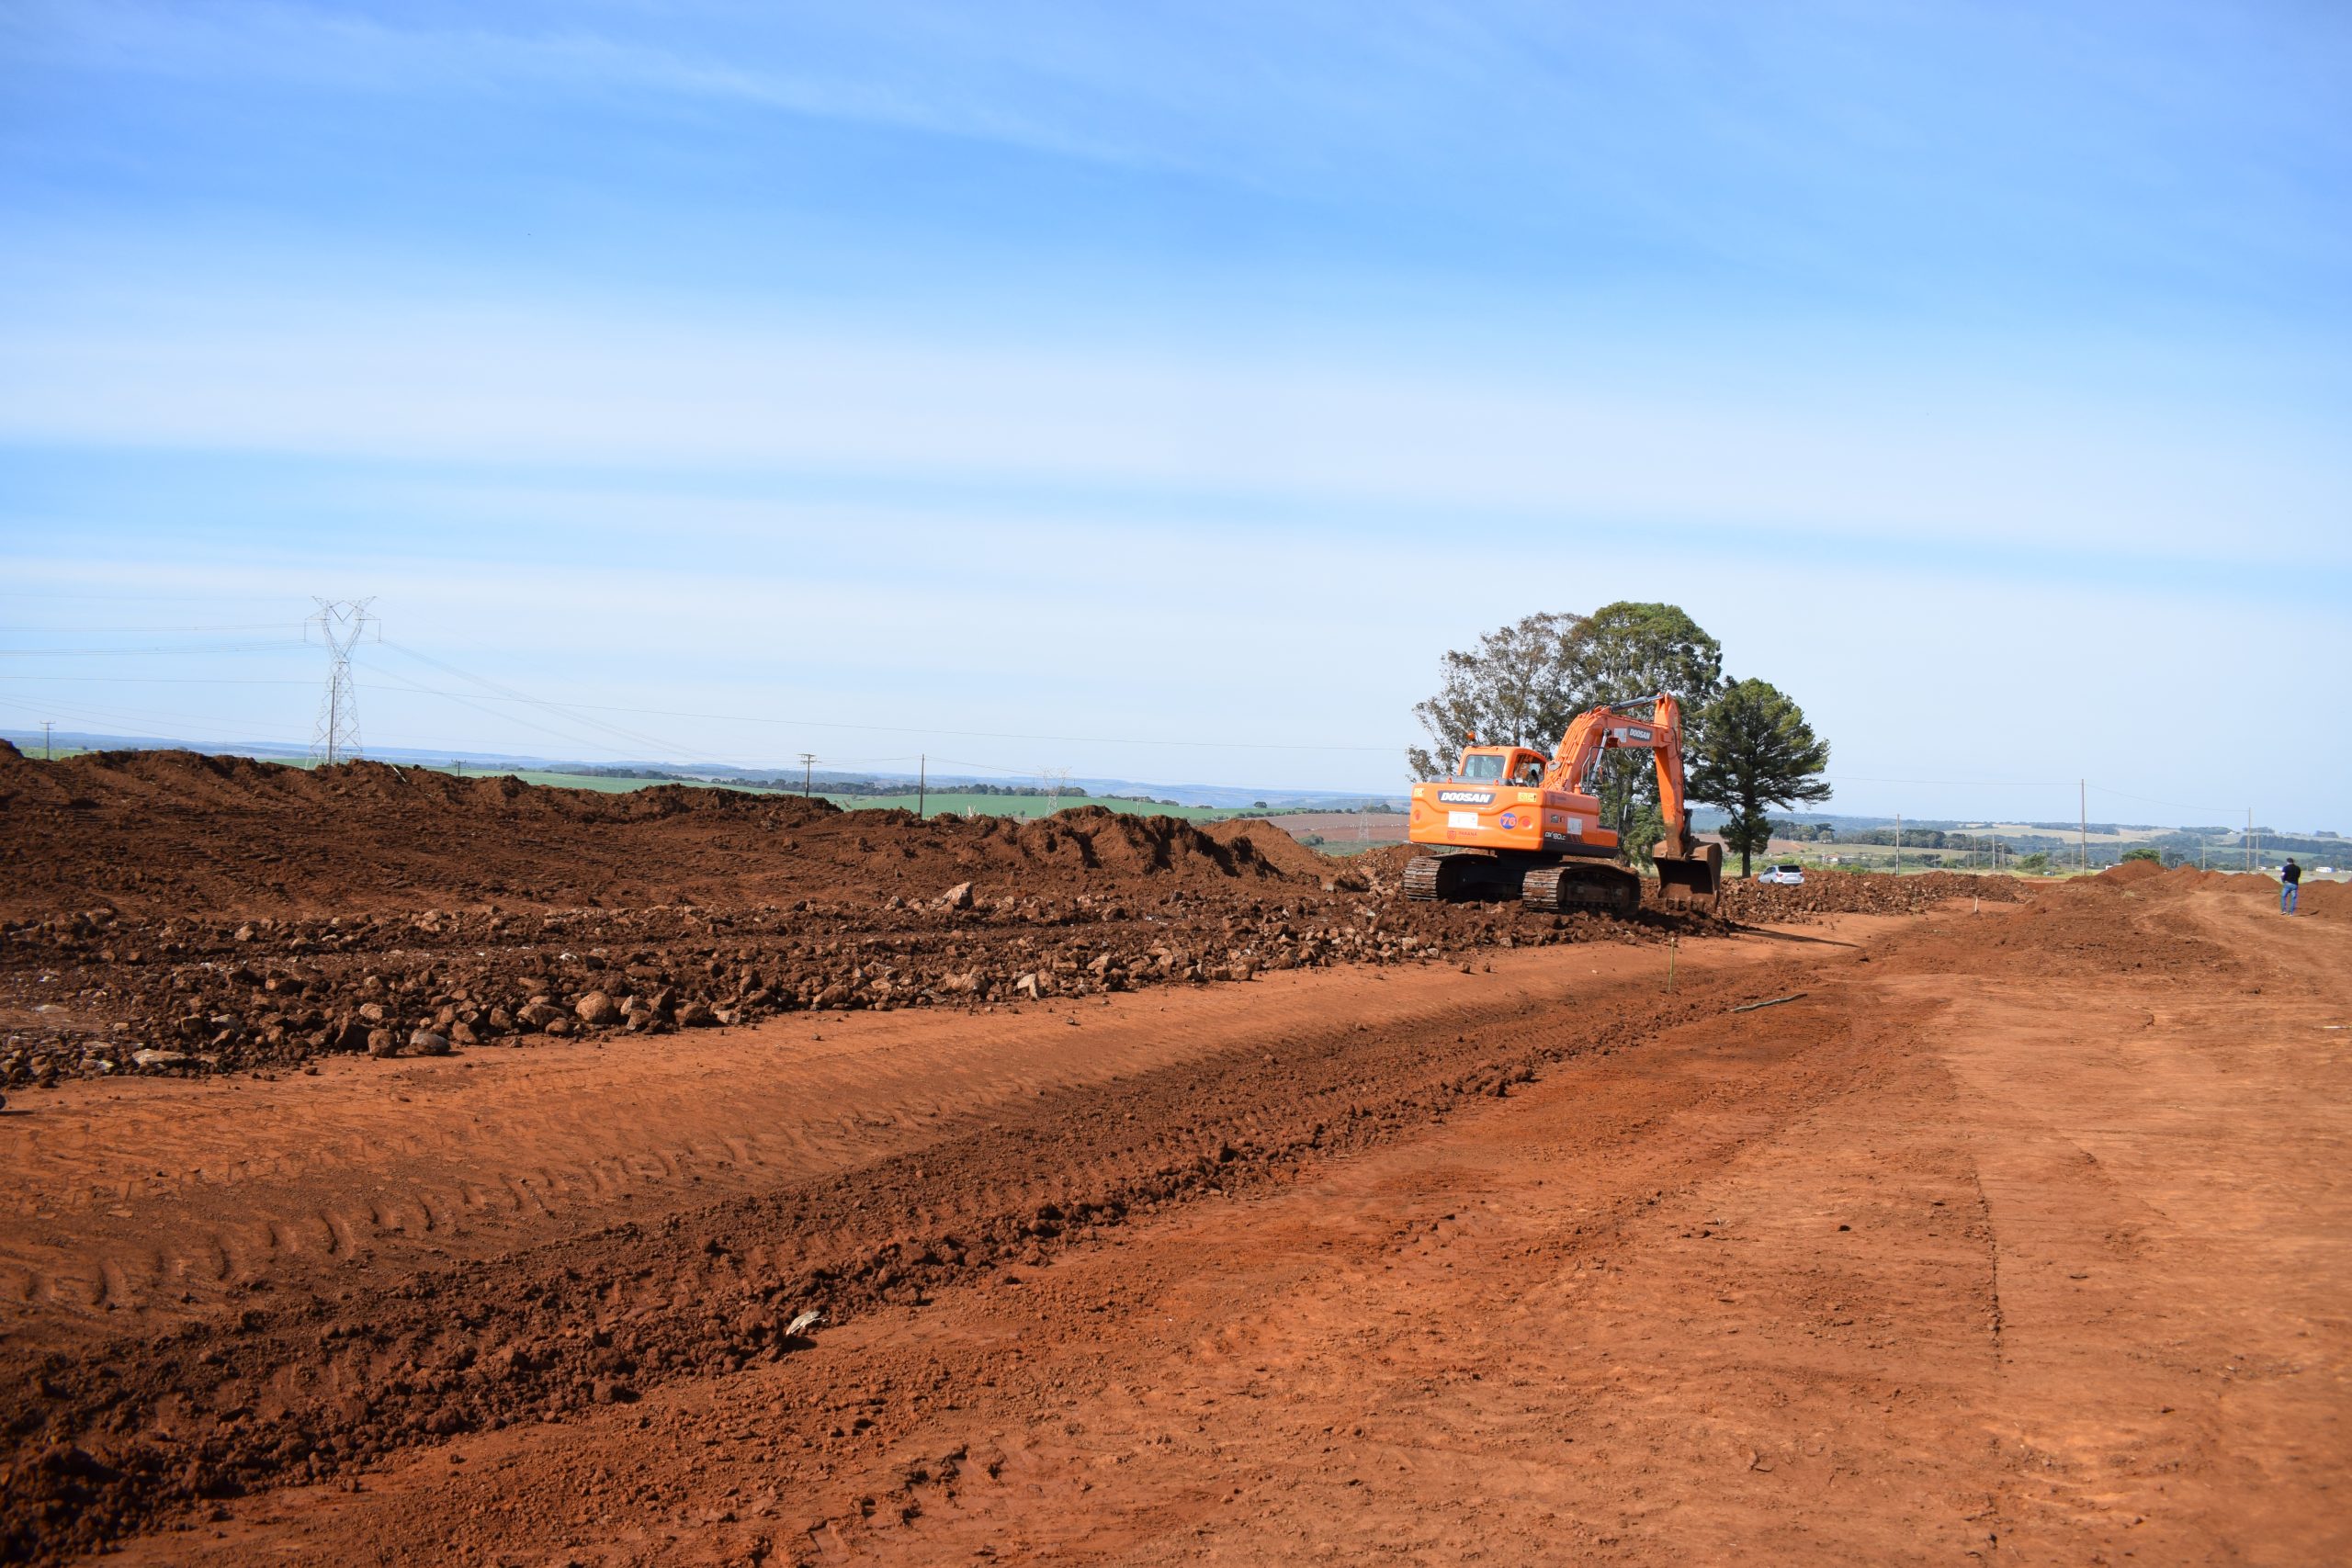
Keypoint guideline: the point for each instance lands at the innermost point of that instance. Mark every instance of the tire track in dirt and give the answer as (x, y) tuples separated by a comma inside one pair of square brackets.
[(789, 1120), (1730, 1294), (184, 1193), (1197, 1375), (281, 1394)]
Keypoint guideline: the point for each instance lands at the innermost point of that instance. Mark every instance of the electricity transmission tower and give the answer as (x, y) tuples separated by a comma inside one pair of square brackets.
[(1057, 779), (340, 622)]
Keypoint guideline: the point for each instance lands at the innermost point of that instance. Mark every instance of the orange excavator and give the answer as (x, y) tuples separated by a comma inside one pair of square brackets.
[(1522, 825)]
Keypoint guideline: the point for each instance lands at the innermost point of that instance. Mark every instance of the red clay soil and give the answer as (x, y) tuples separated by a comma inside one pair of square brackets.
[(2007, 1233), (1861, 893), (173, 833), (183, 914), (2322, 900)]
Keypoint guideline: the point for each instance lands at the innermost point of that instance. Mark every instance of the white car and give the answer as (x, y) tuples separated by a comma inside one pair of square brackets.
[(1782, 875)]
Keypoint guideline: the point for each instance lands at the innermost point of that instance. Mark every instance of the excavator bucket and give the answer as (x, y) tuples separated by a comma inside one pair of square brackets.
[(1694, 881)]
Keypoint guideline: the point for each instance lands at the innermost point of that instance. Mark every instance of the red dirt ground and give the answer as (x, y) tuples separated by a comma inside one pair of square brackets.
[(2004, 1231), (1342, 830), (182, 914)]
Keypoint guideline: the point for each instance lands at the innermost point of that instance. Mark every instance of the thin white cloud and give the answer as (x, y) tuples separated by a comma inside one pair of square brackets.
[(315, 48), (1988, 465)]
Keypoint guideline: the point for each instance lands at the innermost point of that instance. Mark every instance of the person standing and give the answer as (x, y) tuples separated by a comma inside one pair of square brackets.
[(2290, 882)]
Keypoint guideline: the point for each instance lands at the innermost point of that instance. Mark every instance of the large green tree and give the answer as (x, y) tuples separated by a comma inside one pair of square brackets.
[(1524, 681), (1519, 687), (1756, 751), (1630, 650)]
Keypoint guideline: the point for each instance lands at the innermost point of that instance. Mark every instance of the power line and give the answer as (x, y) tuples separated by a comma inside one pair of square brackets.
[(1965, 783), (106, 713), (169, 679), (149, 598), (129, 652), (510, 694), (80, 630), (2150, 800), (464, 701)]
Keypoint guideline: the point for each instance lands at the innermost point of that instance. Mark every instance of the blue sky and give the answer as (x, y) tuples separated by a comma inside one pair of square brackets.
[(1189, 379)]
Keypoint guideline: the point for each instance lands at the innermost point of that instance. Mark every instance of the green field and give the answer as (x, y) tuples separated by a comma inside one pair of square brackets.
[(573, 781), (1031, 806), (935, 802), (1881, 858)]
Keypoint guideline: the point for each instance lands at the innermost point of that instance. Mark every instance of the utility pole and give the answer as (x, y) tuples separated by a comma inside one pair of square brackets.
[(45, 726), (1898, 841), (2249, 838), (341, 623), (2082, 803), (808, 760), (922, 781)]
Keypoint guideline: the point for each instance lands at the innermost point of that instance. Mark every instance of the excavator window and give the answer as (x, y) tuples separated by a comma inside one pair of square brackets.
[(1481, 766), (1530, 774)]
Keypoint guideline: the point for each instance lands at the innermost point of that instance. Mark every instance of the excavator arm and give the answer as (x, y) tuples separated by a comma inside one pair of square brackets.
[(1688, 871)]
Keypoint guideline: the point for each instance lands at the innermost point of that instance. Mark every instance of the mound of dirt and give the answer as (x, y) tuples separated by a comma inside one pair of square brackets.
[(2328, 901), (188, 914), (1853, 892), (2129, 872), (1280, 850), (2241, 883), (174, 833), (97, 993)]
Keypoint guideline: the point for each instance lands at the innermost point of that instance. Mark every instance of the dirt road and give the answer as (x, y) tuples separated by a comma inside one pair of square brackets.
[(2021, 1234)]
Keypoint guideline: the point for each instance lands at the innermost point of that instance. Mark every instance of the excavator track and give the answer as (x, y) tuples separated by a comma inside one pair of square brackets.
[(1458, 878), (1426, 879), (1560, 888)]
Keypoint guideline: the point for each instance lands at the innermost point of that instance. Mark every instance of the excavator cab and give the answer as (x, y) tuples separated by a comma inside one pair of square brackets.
[(1513, 765)]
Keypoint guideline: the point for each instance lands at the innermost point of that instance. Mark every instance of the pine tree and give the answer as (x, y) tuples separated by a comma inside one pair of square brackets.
[(1755, 752)]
